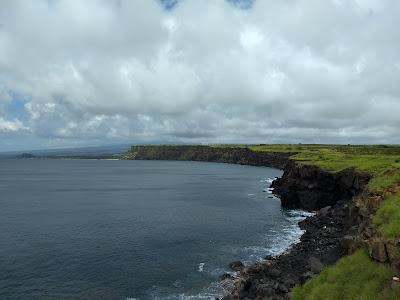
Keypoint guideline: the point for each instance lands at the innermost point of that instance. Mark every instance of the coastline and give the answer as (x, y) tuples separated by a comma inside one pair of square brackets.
[(321, 244), (305, 187)]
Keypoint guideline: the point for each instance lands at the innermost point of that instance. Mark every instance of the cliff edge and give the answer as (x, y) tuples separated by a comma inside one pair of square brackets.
[(355, 192)]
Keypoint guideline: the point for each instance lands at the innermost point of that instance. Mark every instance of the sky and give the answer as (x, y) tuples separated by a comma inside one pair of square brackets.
[(96, 72)]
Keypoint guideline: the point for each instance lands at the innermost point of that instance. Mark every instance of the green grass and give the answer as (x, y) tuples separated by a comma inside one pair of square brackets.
[(382, 182), (387, 218), (353, 277), (382, 161)]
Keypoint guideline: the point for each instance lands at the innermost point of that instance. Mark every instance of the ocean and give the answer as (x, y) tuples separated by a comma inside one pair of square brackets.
[(114, 229)]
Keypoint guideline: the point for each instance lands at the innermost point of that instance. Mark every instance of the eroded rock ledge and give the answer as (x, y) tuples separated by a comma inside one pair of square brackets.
[(311, 188)]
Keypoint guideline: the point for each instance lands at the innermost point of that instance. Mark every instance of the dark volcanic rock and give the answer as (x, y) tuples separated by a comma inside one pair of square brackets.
[(323, 212), (320, 245), (311, 188), (316, 265), (235, 155), (226, 276), (236, 265), (323, 241)]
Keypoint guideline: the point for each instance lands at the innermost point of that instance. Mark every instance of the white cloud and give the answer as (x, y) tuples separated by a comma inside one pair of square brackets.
[(207, 71), (10, 126)]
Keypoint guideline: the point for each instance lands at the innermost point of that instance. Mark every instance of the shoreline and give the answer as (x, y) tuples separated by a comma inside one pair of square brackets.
[(277, 274), (302, 186), (320, 245)]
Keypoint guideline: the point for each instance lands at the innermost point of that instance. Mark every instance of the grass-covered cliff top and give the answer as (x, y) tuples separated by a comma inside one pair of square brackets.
[(370, 158), (382, 161)]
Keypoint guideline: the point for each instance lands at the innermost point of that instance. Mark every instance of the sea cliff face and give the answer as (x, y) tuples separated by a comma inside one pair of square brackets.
[(311, 188), (234, 155)]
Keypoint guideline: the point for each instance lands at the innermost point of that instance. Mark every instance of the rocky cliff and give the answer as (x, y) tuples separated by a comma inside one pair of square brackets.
[(339, 226), (312, 188), (234, 155), (329, 234)]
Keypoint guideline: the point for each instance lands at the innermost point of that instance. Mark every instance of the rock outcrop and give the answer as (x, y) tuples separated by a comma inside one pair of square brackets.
[(274, 277), (311, 188)]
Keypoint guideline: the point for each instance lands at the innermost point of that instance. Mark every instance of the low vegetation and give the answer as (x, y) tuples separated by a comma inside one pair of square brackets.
[(387, 218), (353, 277)]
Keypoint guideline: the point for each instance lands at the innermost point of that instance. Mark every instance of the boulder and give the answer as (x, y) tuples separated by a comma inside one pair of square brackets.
[(323, 212), (316, 265), (377, 250), (283, 288), (226, 276), (236, 265), (351, 243), (266, 290), (272, 272), (306, 276), (247, 284), (393, 252)]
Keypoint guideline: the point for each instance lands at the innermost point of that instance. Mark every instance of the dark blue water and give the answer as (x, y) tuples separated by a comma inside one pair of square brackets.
[(98, 229)]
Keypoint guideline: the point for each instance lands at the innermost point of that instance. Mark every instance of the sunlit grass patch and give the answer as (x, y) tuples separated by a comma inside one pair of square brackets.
[(387, 218)]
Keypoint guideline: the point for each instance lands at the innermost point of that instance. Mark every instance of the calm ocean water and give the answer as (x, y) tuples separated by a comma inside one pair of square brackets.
[(99, 229)]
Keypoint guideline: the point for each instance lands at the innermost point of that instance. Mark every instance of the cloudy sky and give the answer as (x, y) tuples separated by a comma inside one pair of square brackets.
[(96, 72)]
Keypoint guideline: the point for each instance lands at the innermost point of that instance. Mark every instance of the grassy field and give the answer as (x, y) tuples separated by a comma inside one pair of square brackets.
[(355, 276), (387, 218)]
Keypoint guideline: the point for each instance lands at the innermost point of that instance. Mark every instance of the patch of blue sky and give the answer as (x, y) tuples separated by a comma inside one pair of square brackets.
[(15, 109), (169, 4), (242, 4)]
